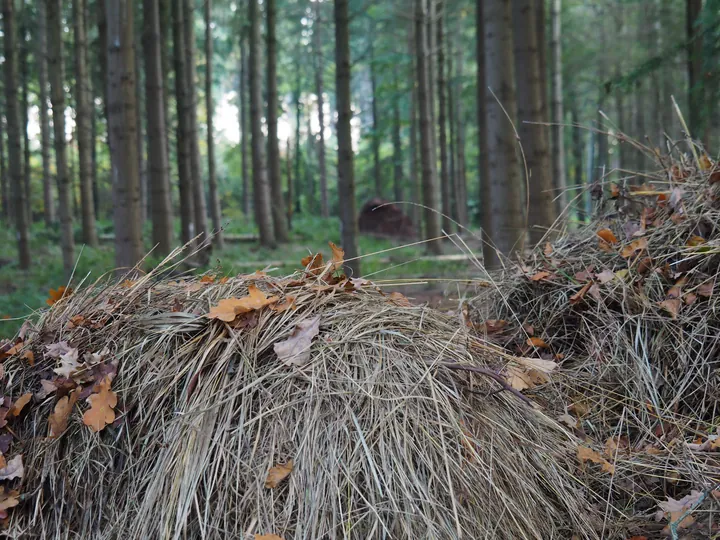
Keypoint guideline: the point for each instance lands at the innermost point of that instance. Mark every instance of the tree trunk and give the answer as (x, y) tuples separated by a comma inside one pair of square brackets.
[(140, 113), (41, 60), (452, 131), (123, 132), (319, 90), (165, 14), (377, 171), (397, 145), (273, 151), (427, 148), (14, 134), (668, 71), (243, 98), (483, 168), (416, 211), (446, 188), (193, 142), (289, 204), (346, 173), (83, 102), (504, 223), (161, 212), (4, 195), (541, 37), (461, 176), (261, 185), (25, 104), (694, 67), (102, 57), (185, 179), (541, 209), (558, 154), (215, 211), (639, 123), (56, 72), (298, 153), (577, 137)]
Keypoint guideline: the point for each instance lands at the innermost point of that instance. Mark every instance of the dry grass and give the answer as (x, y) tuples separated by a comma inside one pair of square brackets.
[(641, 348), (386, 441)]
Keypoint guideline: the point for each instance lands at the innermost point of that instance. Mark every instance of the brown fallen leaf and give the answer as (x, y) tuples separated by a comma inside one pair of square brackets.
[(578, 296), (636, 246), (673, 509), (68, 363), (548, 249), (267, 537), (585, 453), (705, 289), (695, 241), (101, 413), (54, 295), (13, 469), (278, 473), (537, 342), (338, 258), (399, 299), (614, 191), (8, 499), (605, 276), (540, 276), (690, 299), (492, 326), (672, 306), (288, 303), (59, 418), (313, 264), (608, 236), (229, 308), (569, 420), (295, 350), (207, 278), (19, 404)]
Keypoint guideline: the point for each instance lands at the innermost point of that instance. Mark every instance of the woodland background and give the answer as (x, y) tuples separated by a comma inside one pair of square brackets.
[(134, 125)]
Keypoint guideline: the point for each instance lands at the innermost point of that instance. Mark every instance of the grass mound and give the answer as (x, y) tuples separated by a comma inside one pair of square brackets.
[(630, 310), (304, 407)]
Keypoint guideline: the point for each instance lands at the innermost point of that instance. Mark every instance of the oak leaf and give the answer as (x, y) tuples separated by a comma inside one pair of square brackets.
[(636, 246), (295, 350), (13, 469), (68, 363), (54, 295), (608, 236), (19, 404), (278, 473), (59, 418), (313, 264), (585, 453), (674, 509), (229, 308), (672, 306), (338, 257), (288, 303), (101, 413)]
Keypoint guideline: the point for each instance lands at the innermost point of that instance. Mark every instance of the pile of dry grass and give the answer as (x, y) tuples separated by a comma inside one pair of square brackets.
[(630, 309), (391, 426)]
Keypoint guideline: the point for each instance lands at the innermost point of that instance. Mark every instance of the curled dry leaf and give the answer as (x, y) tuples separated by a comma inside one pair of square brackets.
[(101, 413), (690, 299), (313, 264), (8, 499), (578, 296), (607, 236), (540, 276), (295, 350), (3, 416), (674, 509), (19, 404), (548, 249), (634, 247), (695, 241), (54, 295), (569, 420), (13, 469), (338, 257), (399, 299), (229, 308), (68, 364), (585, 453), (59, 418), (267, 537), (278, 473), (492, 326), (672, 306), (207, 278), (288, 303), (537, 342)]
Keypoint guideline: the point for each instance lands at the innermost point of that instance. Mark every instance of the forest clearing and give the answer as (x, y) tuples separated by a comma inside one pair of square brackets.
[(304, 269)]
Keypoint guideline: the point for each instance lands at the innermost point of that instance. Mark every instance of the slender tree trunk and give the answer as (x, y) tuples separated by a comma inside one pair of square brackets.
[(261, 184), (311, 192), (541, 36), (185, 179), (415, 189), (102, 57), (289, 204), (639, 122), (558, 157), (243, 98), (578, 146), (427, 149), (694, 67), (83, 96), (377, 171), (483, 168), (668, 72), (541, 214), (56, 72), (273, 151), (452, 131), (140, 113), (41, 61), (346, 173), (193, 141), (4, 195), (158, 163), (397, 145), (123, 132), (14, 134), (319, 90), (446, 188), (461, 176), (166, 25), (215, 211), (25, 115), (504, 223), (298, 152)]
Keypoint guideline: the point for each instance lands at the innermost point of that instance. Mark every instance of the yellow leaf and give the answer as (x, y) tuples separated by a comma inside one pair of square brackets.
[(59, 418), (608, 236), (278, 473), (588, 454), (19, 404), (229, 308), (705, 163), (101, 413)]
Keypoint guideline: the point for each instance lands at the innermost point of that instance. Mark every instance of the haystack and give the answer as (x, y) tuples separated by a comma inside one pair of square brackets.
[(630, 309), (304, 407)]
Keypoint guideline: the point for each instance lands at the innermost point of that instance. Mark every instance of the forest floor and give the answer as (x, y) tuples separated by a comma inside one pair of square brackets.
[(393, 264)]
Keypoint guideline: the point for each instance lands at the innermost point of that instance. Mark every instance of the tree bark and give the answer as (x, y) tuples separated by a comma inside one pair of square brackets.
[(289, 204), (261, 185), (541, 36), (14, 134), (446, 189), (416, 191), (427, 148), (42, 67), (185, 179), (56, 72), (483, 168), (25, 104), (123, 133), (4, 195), (452, 130), (319, 90), (83, 100), (578, 145), (693, 10), (397, 145), (541, 209), (273, 151), (243, 98), (346, 173), (298, 152), (504, 223), (461, 176), (215, 211), (140, 113), (161, 213), (558, 157), (377, 171), (639, 123)]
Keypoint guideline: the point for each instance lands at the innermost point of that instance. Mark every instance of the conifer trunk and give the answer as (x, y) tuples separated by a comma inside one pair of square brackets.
[(42, 67), (215, 211)]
